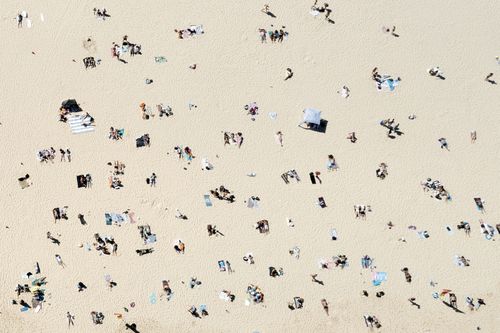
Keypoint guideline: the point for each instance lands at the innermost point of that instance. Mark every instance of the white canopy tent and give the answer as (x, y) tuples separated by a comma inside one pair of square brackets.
[(313, 121), (312, 116)]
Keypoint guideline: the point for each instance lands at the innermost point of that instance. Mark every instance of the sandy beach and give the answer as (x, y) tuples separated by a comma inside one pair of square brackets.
[(414, 95)]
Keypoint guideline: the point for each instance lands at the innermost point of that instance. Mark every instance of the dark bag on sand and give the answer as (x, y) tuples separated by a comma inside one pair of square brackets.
[(147, 180), (140, 142)]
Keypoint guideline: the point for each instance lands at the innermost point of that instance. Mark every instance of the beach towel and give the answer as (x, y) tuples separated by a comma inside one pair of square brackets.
[(198, 29), (113, 218), (208, 202), (388, 85), (160, 60), (378, 278), (76, 125), (151, 239)]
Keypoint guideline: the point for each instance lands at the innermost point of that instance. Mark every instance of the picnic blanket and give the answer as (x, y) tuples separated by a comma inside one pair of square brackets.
[(76, 125)]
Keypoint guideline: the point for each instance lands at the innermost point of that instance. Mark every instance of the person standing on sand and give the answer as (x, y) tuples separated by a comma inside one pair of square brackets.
[(279, 138), (453, 300), (59, 261), (19, 19), (70, 319), (229, 269), (473, 136), (289, 75), (68, 154)]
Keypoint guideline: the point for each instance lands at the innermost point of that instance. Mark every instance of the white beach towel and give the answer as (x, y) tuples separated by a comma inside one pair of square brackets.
[(76, 125)]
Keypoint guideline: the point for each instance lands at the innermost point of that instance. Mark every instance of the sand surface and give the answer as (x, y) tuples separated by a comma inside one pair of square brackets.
[(234, 69)]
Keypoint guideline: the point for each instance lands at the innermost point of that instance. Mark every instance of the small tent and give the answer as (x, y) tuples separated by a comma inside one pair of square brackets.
[(71, 105)]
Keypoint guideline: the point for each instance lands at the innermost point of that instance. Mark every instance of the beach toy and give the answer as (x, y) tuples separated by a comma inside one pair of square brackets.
[(24, 309), (333, 234), (208, 202), (152, 298)]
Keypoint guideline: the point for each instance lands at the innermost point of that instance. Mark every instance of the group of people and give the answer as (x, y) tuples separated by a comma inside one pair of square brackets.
[(316, 10), (118, 50), (274, 34), (233, 139), (192, 30), (101, 13), (223, 193), (436, 189), (163, 110), (393, 128), (49, 155), (384, 81)]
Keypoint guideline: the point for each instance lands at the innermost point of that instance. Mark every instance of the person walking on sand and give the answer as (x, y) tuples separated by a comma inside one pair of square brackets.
[(152, 180), (444, 143), (63, 155), (324, 303), (68, 155), (70, 319), (289, 74), (473, 136)]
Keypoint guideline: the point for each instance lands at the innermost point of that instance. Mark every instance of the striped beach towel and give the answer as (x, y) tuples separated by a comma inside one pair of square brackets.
[(76, 125)]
